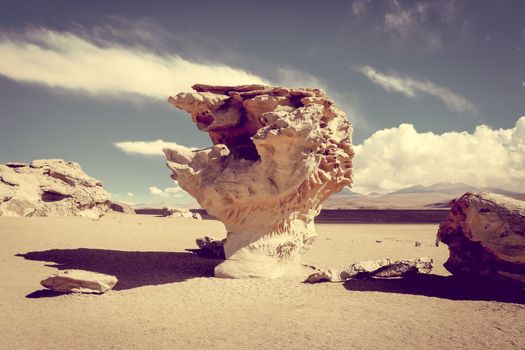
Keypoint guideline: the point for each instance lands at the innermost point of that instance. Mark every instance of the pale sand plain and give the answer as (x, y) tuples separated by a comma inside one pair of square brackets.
[(166, 297)]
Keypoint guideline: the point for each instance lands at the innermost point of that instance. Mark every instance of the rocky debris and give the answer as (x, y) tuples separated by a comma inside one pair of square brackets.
[(321, 275), (50, 187), (417, 244), (173, 212), (209, 247), (79, 281), (485, 234), (278, 153), (122, 208), (384, 268)]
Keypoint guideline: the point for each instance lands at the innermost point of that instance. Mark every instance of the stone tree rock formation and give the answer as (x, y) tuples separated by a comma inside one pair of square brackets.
[(50, 187), (278, 153), (485, 234)]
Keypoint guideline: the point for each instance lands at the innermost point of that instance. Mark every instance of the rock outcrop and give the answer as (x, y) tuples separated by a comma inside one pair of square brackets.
[(173, 212), (121, 207), (277, 154), (50, 187), (79, 281), (485, 234), (384, 268)]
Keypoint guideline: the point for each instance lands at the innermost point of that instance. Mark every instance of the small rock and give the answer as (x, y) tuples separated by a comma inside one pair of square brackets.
[(402, 268), (378, 241), (364, 268), (197, 216), (210, 247), (79, 281), (323, 276), (417, 244)]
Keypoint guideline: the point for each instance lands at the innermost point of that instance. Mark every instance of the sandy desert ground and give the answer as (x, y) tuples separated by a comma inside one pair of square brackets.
[(167, 299)]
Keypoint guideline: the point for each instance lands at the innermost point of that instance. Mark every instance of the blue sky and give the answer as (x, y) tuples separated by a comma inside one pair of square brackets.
[(435, 89)]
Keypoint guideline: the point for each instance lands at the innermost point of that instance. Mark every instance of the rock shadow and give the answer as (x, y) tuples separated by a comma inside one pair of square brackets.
[(445, 287), (44, 293), (132, 269)]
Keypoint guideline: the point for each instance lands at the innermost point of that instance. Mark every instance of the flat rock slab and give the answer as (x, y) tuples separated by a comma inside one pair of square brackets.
[(384, 268), (79, 281)]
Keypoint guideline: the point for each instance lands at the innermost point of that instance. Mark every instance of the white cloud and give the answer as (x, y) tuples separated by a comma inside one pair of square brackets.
[(147, 148), (410, 87), (96, 65), (523, 83), (400, 157), (157, 191), (68, 61), (130, 194), (176, 192)]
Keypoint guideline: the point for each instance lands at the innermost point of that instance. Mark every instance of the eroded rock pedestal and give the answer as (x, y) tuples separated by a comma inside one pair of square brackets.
[(50, 187), (278, 154), (485, 234)]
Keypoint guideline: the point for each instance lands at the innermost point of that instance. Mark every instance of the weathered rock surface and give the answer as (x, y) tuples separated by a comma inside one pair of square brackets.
[(384, 268), (122, 208), (79, 281), (278, 154), (485, 234), (50, 187)]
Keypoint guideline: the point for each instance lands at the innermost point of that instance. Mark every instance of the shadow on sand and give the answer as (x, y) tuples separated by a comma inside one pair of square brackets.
[(449, 287), (132, 269)]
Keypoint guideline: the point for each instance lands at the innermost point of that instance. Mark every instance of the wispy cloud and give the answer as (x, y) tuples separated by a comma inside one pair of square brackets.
[(145, 148), (409, 157), (410, 87), (359, 7), (101, 61), (68, 61), (423, 24)]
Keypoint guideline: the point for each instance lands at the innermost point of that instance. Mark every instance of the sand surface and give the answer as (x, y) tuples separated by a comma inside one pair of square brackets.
[(167, 299)]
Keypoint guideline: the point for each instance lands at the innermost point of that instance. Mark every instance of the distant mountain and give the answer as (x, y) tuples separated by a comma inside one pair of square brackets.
[(453, 188), (347, 192), (436, 196)]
